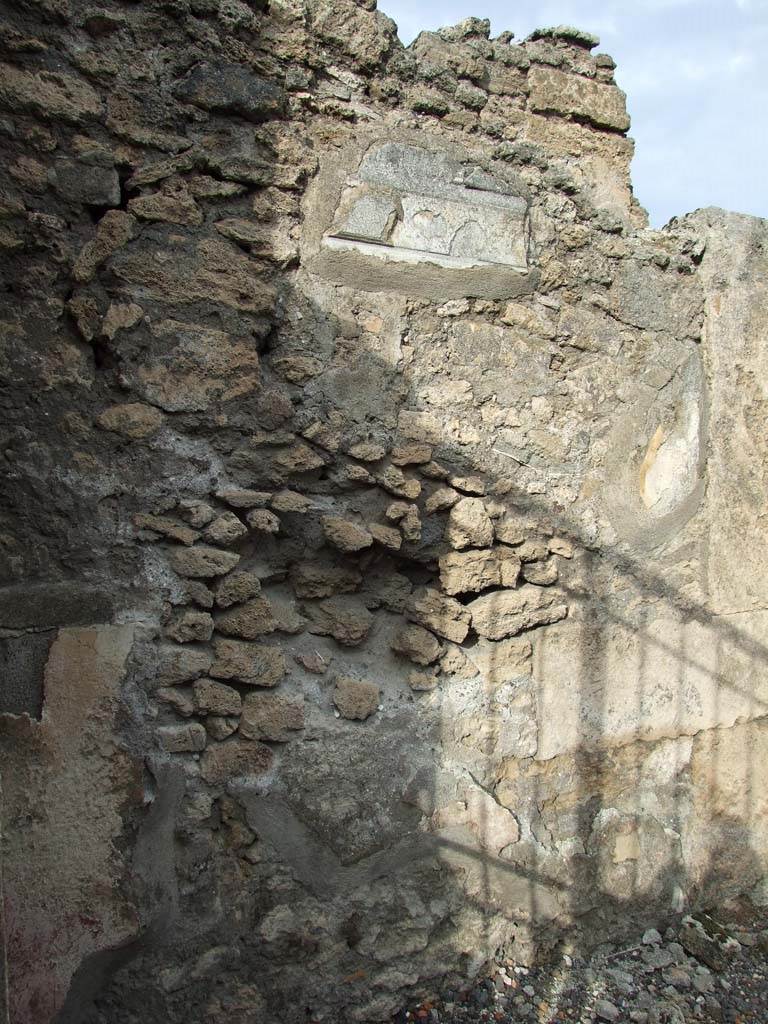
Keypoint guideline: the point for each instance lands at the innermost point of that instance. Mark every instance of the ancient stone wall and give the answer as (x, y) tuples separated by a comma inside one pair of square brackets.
[(383, 528)]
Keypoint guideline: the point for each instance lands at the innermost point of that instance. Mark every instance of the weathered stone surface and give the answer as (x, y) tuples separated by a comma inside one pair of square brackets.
[(220, 273), (290, 501), (214, 698), (234, 758), (190, 626), (219, 728), (225, 529), (166, 527), (272, 718), (441, 499), (511, 529), (199, 366), (79, 183), (467, 484), (509, 612), (443, 615), (242, 497), (178, 700), (288, 619), (72, 771), (493, 825), (416, 643), (133, 420), (180, 739), (237, 587), (422, 682), (224, 87), (346, 535), (172, 207), (300, 458), (368, 451), (503, 660), (386, 536), (178, 665), (393, 480), (356, 699), (252, 664), (343, 618), (316, 579), (543, 574), (618, 701), (413, 454), (249, 620), (561, 93), (561, 546), (196, 513), (263, 521), (465, 572), (113, 231), (48, 94), (736, 358), (469, 525), (202, 562), (404, 186)]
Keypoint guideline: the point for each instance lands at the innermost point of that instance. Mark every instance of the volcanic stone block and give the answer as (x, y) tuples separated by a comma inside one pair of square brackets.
[(469, 525), (443, 615), (416, 643), (249, 620), (176, 665), (269, 717), (202, 561), (234, 758), (343, 618), (562, 93), (508, 612), (179, 739), (355, 698), (346, 535), (231, 88), (252, 664), (215, 698), (236, 588)]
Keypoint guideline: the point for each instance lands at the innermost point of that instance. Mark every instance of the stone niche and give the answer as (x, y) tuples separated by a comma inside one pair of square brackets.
[(420, 221)]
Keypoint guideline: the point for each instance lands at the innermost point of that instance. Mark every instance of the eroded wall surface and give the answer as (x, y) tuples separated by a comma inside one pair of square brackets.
[(383, 528)]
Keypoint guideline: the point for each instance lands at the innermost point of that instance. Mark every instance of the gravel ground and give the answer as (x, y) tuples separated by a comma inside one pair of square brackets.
[(704, 970)]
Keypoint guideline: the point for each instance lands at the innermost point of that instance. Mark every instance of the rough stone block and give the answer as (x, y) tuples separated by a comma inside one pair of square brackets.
[(237, 587), (203, 562), (356, 699), (509, 612), (443, 615), (234, 758), (215, 698), (343, 618), (180, 739), (418, 644), (224, 87), (272, 718), (573, 95), (252, 664), (469, 525), (249, 620)]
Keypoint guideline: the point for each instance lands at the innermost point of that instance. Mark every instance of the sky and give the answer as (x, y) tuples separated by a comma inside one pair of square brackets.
[(696, 77)]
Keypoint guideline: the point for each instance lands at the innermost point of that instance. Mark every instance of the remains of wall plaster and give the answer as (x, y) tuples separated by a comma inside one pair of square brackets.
[(383, 519)]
